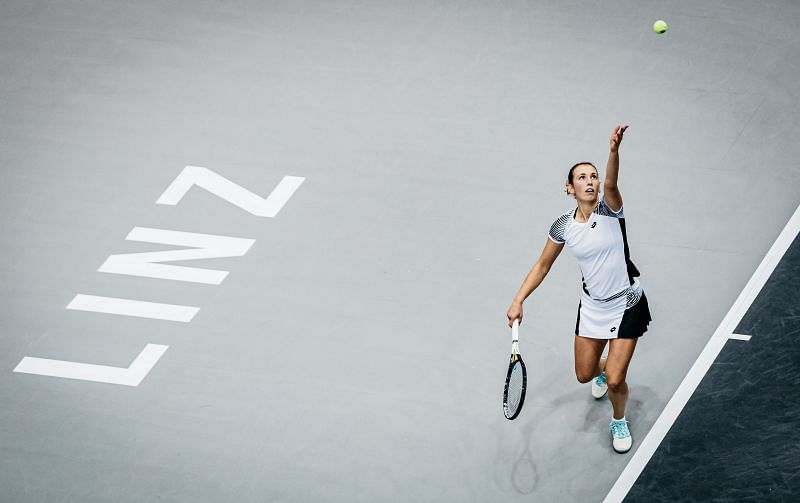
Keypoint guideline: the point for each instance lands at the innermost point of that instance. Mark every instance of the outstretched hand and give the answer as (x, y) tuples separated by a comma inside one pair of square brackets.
[(616, 136), (514, 313)]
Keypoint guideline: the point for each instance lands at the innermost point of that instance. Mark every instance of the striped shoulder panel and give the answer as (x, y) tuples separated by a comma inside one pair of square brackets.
[(606, 211), (559, 226)]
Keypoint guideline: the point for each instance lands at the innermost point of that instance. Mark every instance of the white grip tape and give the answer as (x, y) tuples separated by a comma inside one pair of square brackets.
[(515, 331)]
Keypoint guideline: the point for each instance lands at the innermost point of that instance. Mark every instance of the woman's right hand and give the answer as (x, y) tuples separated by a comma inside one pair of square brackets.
[(514, 313)]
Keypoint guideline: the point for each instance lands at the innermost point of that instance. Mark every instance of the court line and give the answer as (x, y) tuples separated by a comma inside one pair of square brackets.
[(687, 387), (739, 337)]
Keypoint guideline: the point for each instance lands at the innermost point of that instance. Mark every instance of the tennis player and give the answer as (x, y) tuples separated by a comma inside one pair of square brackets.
[(613, 308)]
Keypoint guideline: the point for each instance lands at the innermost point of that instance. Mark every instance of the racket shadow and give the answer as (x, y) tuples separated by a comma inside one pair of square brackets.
[(516, 467), (524, 473)]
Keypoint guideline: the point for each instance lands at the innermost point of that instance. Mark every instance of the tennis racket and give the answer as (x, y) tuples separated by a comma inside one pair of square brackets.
[(516, 379)]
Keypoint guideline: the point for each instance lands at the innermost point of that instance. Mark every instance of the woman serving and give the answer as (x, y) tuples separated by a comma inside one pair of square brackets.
[(613, 308)]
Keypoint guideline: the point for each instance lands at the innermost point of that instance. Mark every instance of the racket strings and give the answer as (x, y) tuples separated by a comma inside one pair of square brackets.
[(516, 385)]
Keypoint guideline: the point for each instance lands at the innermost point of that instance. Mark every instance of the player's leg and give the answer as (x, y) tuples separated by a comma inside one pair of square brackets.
[(620, 353), (587, 357), (619, 357)]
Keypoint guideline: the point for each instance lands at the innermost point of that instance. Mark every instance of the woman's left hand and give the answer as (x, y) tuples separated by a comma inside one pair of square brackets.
[(616, 137)]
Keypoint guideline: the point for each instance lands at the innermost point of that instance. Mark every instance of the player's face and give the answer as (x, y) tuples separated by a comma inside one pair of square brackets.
[(585, 184)]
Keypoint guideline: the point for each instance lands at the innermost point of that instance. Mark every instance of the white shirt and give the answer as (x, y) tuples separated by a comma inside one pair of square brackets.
[(601, 249)]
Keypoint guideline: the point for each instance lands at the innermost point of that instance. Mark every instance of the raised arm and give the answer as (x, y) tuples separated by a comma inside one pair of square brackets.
[(534, 279), (613, 196)]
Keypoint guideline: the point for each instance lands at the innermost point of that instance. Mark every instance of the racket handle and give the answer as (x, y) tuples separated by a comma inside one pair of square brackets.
[(515, 330)]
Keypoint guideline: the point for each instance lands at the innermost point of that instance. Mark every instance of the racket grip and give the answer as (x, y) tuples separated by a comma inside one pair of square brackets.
[(515, 330)]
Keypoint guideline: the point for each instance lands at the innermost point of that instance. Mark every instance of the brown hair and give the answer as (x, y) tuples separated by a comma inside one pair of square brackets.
[(572, 169)]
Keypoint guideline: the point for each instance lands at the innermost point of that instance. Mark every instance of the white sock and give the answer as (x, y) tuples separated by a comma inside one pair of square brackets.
[(617, 420)]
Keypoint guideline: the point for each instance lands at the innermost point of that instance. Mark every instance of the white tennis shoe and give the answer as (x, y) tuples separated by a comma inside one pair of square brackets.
[(620, 435), (599, 386)]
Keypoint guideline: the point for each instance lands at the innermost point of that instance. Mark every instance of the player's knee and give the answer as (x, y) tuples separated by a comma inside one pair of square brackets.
[(615, 383), (583, 377)]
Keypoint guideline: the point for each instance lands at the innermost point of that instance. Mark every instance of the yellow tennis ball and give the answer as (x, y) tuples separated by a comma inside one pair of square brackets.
[(659, 27)]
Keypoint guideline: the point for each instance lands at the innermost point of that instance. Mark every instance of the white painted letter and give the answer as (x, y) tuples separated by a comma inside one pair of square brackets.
[(128, 307), (130, 376), (229, 191), (203, 246)]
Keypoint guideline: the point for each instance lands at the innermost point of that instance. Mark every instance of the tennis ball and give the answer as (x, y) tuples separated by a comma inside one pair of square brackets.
[(659, 27)]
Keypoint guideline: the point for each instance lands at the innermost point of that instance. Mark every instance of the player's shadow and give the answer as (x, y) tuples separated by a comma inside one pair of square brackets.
[(598, 411), (515, 466), (579, 399)]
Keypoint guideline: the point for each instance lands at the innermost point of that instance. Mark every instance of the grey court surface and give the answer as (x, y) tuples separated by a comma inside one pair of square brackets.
[(355, 350)]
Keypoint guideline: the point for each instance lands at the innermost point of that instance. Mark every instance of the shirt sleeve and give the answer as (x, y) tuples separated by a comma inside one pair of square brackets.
[(605, 209), (556, 233)]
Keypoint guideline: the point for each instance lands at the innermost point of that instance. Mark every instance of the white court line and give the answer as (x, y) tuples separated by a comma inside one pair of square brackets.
[(739, 337), (724, 331)]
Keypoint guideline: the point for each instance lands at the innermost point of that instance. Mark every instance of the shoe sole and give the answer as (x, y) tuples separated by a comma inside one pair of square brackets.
[(620, 452)]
